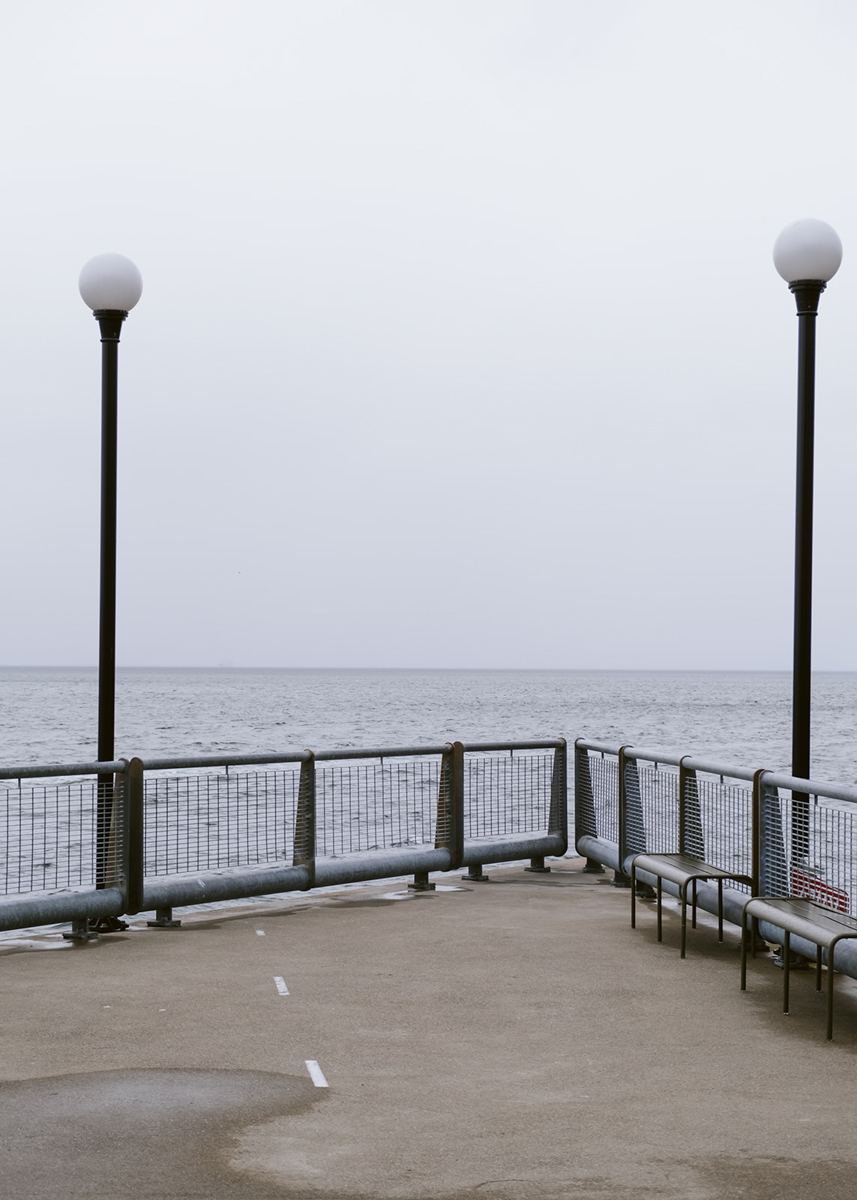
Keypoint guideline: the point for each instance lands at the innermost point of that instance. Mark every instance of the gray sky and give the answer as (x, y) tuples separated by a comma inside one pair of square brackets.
[(460, 341)]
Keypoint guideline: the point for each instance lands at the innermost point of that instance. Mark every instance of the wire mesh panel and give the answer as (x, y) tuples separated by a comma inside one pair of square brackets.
[(658, 805), (604, 773), (58, 835), (718, 818), (720, 830), (200, 822), (807, 849), (377, 806), (506, 795)]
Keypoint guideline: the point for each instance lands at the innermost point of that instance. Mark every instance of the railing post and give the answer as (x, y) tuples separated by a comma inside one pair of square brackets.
[(620, 879), (449, 826), (585, 821), (773, 868), (456, 806), (558, 819), (135, 835), (690, 836), (304, 848)]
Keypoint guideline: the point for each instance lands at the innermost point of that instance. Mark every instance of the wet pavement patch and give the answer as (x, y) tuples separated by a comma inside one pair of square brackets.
[(138, 1133)]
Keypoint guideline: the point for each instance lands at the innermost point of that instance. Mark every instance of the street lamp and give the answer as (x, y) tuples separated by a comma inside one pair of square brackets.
[(111, 285), (806, 254)]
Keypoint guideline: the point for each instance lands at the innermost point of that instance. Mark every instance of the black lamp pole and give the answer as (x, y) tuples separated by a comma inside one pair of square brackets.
[(110, 323), (806, 293)]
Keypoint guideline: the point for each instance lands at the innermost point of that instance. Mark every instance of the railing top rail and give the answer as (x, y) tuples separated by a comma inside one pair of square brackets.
[(598, 747), (670, 759), (710, 768), (46, 770), (382, 752), (293, 756), (223, 760), (811, 787), (537, 744)]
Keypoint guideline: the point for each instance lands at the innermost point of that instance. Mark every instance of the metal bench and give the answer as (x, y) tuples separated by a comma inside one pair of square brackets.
[(683, 870), (806, 919)]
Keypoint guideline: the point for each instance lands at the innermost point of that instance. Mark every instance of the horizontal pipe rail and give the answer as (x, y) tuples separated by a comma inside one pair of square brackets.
[(543, 744), (385, 752), (49, 770), (670, 759), (19, 912), (810, 787), (224, 760)]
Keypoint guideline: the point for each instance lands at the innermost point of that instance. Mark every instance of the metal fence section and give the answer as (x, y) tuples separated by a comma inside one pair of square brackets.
[(216, 821), (51, 834), (377, 806), (139, 835), (507, 795), (808, 848)]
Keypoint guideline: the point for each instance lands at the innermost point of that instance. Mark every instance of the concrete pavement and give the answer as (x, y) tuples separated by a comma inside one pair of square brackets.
[(514, 1039)]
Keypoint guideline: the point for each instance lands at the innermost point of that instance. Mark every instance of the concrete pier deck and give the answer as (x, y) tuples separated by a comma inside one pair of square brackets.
[(512, 1040)]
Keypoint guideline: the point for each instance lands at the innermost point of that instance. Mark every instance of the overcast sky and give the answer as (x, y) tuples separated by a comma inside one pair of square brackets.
[(460, 341)]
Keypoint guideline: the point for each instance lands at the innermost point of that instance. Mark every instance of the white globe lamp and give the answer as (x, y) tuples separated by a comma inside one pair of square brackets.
[(110, 283), (808, 249)]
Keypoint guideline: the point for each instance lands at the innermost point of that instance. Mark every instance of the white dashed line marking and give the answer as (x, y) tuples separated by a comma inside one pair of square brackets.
[(260, 932), (315, 1073), (281, 985)]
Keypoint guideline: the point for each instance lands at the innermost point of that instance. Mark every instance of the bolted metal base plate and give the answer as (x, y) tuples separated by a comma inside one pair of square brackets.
[(107, 925)]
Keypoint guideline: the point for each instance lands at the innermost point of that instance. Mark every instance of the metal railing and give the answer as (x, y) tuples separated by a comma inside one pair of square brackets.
[(97, 840), (792, 837)]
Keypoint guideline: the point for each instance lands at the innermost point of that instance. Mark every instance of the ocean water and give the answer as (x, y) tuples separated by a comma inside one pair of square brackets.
[(48, 715)]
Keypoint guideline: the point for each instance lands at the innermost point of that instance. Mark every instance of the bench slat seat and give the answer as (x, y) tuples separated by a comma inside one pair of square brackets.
[(803, 918), (682, 870)]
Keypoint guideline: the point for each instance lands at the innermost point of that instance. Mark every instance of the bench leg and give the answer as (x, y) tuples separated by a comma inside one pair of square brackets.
[(683, 891), (829, 991), (818, 967), (744, 951), (720, 910), (633, 895), (693, 923), (786, 956), (660, 911)]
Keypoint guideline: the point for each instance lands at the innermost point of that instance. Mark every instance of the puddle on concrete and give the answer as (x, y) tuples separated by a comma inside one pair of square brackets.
[(142, 1133)]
